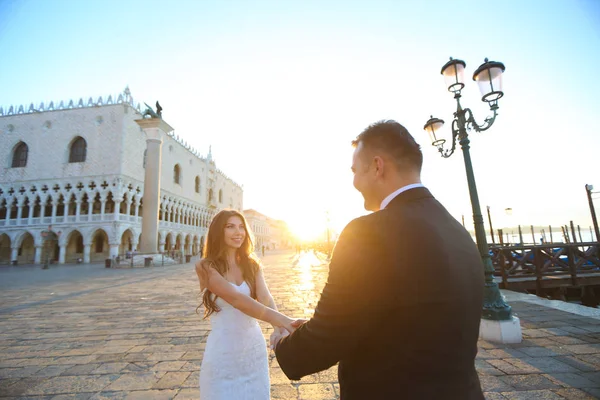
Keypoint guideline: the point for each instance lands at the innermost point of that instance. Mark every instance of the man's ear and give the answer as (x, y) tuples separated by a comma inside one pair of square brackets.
[(379, 165)]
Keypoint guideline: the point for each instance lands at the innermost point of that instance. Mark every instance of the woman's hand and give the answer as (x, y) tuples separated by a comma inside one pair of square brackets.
[(286, 323)]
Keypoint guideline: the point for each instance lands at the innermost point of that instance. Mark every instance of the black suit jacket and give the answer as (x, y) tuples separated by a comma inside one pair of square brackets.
[(401, 308)]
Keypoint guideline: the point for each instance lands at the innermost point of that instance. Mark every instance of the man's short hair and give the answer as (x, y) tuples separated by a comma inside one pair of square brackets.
[(391, 138)]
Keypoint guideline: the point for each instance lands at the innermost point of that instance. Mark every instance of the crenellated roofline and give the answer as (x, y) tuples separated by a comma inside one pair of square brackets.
[(122, 98)]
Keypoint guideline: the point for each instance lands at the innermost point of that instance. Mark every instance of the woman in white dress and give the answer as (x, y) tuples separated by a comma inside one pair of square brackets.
[(235, 364)]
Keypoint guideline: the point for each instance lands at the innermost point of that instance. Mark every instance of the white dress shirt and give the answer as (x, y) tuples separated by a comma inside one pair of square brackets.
[(392, 195)]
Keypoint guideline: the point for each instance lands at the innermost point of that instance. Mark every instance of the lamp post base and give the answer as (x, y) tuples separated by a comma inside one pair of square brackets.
[(506, 331)]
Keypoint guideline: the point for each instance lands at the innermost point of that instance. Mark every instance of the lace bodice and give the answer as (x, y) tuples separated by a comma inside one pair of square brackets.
[(229, 317)]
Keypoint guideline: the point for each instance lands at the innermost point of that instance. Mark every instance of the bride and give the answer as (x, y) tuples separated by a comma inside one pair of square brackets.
[(235, 295)]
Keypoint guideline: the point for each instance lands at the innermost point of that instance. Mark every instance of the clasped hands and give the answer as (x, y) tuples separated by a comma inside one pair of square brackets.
[(280, 332)]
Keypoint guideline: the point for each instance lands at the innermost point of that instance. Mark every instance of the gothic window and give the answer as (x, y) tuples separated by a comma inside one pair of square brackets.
[(210, 195), (220, 195), (197, 184), (20, 156), (78, 150), (177, 174)]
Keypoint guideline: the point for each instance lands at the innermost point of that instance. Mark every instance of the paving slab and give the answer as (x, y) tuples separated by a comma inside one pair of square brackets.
[(87, 332)]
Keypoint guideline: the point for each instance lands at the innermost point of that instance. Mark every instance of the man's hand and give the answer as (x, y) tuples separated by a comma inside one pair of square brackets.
[(276, 336), (299, 322)]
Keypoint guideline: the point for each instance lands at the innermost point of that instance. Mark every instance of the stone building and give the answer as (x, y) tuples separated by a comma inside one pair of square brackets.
[(72, 179), (272, 233)]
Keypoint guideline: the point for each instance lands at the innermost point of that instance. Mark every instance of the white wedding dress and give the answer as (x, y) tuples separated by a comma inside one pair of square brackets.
[(235, 364)]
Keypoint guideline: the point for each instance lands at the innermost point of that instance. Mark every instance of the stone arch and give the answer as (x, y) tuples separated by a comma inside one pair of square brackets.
[(179, 242), (50, 247), (60, 205), (5, 246), (96, 202), (71, 205), (26, 248), (100, 249), (188, 245), (169, 242), (195, 245), (109, 203), (202, 244), (3, 208), (26, 202), (37, 206), (127, 241), (74, 246)]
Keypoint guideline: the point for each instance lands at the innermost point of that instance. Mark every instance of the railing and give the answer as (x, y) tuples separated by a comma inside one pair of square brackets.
[(546, 262), (68, 219), (132, 259)]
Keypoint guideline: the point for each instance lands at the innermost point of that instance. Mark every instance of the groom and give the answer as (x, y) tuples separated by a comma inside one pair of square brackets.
[(401, 308)]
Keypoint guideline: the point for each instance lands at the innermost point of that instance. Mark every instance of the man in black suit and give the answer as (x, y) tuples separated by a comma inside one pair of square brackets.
[(401, 308)]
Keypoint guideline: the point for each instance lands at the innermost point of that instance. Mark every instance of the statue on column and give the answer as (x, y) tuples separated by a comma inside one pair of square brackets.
[(149, 111)]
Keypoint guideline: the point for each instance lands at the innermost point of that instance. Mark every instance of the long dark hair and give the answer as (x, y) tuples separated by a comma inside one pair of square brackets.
[(215, 256)]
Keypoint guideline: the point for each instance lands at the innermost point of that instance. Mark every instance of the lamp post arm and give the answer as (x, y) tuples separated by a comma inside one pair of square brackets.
[(448, 153), (487, 123)]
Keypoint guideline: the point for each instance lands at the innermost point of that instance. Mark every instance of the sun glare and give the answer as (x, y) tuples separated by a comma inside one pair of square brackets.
[(306, 229)]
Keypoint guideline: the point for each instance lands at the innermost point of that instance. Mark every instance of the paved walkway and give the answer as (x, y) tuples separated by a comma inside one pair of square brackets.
[(87, 332)]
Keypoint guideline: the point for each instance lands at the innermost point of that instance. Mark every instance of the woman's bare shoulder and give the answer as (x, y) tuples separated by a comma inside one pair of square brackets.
[(204, 266)]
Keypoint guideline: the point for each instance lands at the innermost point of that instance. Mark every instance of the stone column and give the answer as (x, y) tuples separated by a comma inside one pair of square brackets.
[(37, 257), (155, 129), (86, 253), (117, 210), (62, 252), (128, 207), (77, 209), (14, 253), (114, 249), (161, 247), (54, 207), (19, 213)]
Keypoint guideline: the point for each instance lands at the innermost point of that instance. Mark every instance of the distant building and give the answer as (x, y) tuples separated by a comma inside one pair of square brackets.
[(272, 233), (79, 168)]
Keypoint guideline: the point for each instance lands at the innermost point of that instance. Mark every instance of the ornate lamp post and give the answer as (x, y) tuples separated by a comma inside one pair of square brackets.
[(498, 323)]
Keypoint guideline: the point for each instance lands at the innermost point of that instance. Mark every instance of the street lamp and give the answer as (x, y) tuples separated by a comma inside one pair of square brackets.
[(588, 189), (498, 323)]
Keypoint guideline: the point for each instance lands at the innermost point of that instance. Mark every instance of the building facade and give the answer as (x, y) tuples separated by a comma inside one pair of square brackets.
[(72, 180), (268, 232)]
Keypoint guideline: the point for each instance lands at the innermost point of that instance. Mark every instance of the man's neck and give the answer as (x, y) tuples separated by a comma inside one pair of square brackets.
[(399, 189)]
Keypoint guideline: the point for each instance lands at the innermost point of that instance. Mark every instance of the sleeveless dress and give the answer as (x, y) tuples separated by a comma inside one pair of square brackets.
[(235, 364)]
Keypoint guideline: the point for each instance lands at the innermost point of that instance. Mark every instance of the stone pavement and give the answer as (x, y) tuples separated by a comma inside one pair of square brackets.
[(86, 332)]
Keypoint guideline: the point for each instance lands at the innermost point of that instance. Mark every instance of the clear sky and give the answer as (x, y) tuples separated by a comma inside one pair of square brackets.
[(280, 88)]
